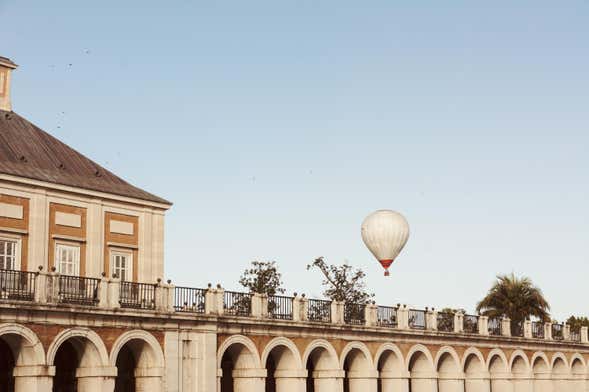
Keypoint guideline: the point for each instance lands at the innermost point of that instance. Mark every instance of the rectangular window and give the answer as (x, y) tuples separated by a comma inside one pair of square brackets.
[(9, 254), (67, 259), (122, 264)]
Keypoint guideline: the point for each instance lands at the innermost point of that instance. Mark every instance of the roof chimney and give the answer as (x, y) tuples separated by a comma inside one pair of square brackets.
[(6, 67)]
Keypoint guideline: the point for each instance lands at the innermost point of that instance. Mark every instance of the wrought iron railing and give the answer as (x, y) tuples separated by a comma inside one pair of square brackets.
[(319, 310), (470, 323), (445, 321), (557, 332), (575, 335), (386, 316), (417, 319), (237, 304), (188, 299), (354, 314), (494, 326), (538, 329), (280, 307), (17, 285), (137, 295), (77, 290)]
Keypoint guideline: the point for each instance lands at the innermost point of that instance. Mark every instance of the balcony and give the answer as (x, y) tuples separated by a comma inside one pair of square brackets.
[(104, 294)]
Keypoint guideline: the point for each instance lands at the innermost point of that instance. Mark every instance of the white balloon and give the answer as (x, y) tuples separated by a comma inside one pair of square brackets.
[(385, 233)]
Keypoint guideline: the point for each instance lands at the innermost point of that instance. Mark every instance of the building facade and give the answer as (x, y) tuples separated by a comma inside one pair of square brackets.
[(84, 306)]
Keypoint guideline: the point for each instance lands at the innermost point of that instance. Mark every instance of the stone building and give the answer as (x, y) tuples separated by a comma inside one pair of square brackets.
[(83, 306)]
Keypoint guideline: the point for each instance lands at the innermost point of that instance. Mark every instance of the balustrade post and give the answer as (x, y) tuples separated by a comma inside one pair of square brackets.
[(431, 319), (458, 322), (220, 294), (371, 315), (483, 325), (53, 287), (304, 308), (257, 305), (566, 332), (548, 330), (584, 335), (41, 282), (298, 304), (114, 293), (103, 293), (505, 326), (210, 300), (527, 329), (402, 317), (171, 296), (337, 312)]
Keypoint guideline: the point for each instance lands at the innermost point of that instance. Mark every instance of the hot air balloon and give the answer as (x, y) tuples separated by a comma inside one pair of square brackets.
[(385, 233)]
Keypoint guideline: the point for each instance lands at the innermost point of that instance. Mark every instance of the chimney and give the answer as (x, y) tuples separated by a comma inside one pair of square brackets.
[(6, 67)]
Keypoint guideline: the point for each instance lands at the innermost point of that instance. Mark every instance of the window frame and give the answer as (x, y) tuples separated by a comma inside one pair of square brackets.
[(17, 240), (57, 260), (128, 254)]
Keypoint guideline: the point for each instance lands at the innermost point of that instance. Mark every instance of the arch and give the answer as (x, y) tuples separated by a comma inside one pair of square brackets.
[(419, 349), (155, 354), (395, 365), (519, 362), (331, 358), (32, 352), (540, 362), (467, 357), (442, 355), (97, 354), (288, 344), (253, 360), (492, 364), (360, 347), (578, 364), (558, 356)]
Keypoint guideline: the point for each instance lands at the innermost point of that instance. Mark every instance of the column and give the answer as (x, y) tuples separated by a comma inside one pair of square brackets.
[(291, 380), (249, 380), (363, 382), (501, 382), (392, 382), (424, 382), (35, 378), (148, 379), (542, 381), (96, 379), (451, 382), (328, 380)]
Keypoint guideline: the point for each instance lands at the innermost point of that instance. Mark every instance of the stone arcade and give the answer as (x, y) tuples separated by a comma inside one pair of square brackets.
[(83, 307)]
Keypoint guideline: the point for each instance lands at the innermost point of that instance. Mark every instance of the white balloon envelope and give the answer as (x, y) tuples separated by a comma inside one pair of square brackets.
[(385, 233)]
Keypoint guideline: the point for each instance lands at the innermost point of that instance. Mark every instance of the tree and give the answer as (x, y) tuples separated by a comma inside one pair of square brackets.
[(577, 322), (262, 278), (342, 282), (516, 298)]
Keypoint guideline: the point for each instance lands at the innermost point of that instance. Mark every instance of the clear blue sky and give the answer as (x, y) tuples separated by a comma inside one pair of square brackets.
[(276, 126)]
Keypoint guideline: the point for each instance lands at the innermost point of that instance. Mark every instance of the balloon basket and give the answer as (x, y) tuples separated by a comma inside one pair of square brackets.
[(386, 273)]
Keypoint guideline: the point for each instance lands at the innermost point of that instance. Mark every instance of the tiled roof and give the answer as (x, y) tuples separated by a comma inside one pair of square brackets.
[(28, 151)]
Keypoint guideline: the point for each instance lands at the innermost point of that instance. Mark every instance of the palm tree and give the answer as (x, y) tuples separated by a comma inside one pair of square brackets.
[(516, 298)]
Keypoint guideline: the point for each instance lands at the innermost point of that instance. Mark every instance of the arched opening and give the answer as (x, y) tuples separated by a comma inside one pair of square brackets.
[(323, 374), (138, 366), (283, 370), (476, 376), (423, 377), (359, 375), (500, 377), (522, 381), (66, 364), (450, 378), (7, 364), (126, 365), (560, 376), (578, 373), (541, 370), (390, 373), (239, 372)]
